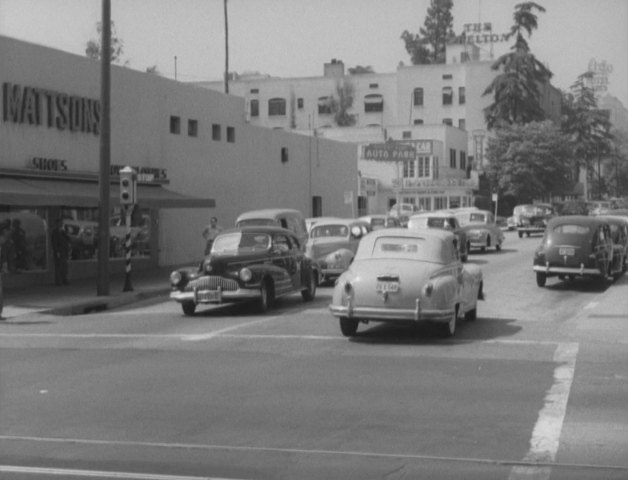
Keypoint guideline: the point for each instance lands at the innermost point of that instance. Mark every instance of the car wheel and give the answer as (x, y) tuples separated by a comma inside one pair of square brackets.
[(309, 293), (471, 315), (540, 279), (450, 326), (188, 308), (348, 326), (266, 296)]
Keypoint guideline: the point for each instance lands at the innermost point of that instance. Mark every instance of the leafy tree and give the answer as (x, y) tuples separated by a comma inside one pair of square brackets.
[(529, 161), (341, 102), (428, 46), (588, 128), (517, 98), (359, 70), (93, 48)]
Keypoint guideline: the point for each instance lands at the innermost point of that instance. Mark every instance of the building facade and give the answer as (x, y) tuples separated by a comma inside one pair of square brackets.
[(194, 153)]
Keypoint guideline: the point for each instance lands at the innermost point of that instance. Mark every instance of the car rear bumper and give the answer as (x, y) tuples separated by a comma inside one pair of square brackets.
[(550, 270), (215, 296), (416, 314)]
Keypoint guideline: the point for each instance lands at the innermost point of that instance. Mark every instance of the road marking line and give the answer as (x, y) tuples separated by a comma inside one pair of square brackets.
[(65, 472), (216, 333), (546, 434)]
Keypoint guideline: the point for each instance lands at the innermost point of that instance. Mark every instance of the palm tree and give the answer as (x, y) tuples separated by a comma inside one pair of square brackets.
[(517, 98)]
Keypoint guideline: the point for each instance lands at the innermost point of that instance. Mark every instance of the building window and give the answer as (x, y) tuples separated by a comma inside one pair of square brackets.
[(418, 121), (462, 124), (440, 203), (448, 121), (417, 97), (373, 103), (175, 125), (435, 169), (463, 160), (276, 106), (231, 134), (407, 134), (373, 85), (447, 76), (192, 128), (300, 103), (215, 131), (317, 206), (452, 158), (284, 154), (324, 105), (424, 167), (408, 169), (254, 90), (448, 95), (254, 108), (462, 97)]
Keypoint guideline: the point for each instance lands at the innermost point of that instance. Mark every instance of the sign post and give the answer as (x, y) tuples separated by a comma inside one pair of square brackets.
[(128, 194)]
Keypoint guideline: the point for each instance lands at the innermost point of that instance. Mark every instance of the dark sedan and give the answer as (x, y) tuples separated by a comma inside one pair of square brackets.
[(248, 264), (576, 246)]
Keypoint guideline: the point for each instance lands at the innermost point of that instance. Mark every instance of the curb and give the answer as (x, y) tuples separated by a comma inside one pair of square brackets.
[(99, 304)]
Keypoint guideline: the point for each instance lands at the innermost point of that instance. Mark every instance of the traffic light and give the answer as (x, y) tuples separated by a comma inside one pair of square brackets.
[(128, 182)]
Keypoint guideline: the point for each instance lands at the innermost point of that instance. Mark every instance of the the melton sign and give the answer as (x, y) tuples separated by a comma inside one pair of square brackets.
[(40, 106), (392, 151)]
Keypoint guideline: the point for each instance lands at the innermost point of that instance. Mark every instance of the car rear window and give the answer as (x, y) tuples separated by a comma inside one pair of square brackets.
[(329, 231), (569, 229), (411, 248)]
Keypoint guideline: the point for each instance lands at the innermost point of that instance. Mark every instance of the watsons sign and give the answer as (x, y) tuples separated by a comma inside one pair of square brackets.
[(40, 106)]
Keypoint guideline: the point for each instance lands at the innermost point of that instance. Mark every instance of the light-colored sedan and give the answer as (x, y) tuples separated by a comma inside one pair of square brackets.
[(332, 245), (481, 228), (407, 275)]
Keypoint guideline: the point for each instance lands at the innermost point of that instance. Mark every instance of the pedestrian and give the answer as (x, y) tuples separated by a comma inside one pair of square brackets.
[(61, 251), (210, 233), (18, 235)]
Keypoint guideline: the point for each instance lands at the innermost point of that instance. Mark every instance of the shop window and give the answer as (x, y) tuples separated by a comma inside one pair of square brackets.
[(193, 128), (324, 105), (231, 134), (454, 202), (254, 105), (417, 97), (373, 103), (140, 232), (462, 98), (216, 132), (440, 203), (448, 96), (175, 125), (276, 107), (23, 241)]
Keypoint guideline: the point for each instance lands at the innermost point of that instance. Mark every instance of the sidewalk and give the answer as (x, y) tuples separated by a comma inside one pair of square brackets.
[(81, 295)]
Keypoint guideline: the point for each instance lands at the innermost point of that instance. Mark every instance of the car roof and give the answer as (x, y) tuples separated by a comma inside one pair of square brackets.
[(435, 214), (577, 219), (415, 232), (268, 213), (340, 221), (270, 229), (375, 215)]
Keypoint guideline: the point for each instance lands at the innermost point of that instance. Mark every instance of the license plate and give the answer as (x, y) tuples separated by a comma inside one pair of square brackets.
[(387, 287), (209, 296), (568, 251)]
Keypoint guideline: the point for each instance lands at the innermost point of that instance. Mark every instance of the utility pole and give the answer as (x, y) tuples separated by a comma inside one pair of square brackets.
[(105, 152), (226, 49)]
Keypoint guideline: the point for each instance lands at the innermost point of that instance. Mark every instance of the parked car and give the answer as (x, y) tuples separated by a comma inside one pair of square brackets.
[(619, 234), (576, 246), (599, 207), (83, 237), (377, 221), (332, 245), (407, 275), (511, 223), (481, 229), (280, 217), (533, 218), (248, 264), (444, 221)]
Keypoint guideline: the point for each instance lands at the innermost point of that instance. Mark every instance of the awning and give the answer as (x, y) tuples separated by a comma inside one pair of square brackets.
[(66, 193)]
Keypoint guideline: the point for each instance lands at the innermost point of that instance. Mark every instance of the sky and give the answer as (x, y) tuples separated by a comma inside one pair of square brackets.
[(294, 38)]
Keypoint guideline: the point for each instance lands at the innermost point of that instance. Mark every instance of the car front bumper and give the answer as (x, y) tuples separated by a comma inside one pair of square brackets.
[(416, 314), (215, 296)]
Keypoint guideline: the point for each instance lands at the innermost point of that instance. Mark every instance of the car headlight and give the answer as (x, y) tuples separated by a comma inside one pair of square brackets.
[(428, 289), (175, 278), (246, 275), (207, 267)]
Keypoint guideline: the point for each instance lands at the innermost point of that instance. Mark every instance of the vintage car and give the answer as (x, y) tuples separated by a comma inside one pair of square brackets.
[(619, 234), (377, 221), (531, 219), (407, 275), (311, 221), (444, 221), (248, 264), (280, 217), (481, 229), (577, 246), (332, 245)]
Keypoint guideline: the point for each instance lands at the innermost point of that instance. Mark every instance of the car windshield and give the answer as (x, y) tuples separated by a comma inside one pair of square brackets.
[(440, 222), (411, 248), (240, 243), (329, 231)]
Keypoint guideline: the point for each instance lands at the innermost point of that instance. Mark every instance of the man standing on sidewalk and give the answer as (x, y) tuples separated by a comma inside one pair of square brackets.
[(61, 251), (210, 232)]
